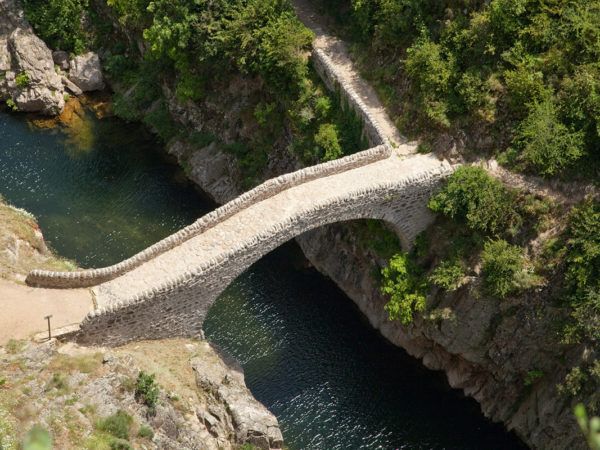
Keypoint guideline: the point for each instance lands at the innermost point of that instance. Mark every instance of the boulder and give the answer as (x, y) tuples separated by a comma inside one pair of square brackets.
[(61, 59), (29, 78), (86, 72), (70, 86)]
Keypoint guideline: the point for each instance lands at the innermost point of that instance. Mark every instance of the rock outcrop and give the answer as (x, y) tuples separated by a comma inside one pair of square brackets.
[(203, 402), (86, 72), (28, 79)]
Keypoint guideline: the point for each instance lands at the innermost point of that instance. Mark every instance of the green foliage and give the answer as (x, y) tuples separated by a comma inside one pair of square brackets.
[(405, 287), (37, 438), (532, 376), (449, 275), (60, 23), (431, 73), (10, 103), (146, 432), (22, 80), (583, 255), (328, 142), (117, 425), (502, 266), (523, 69), (474, 197), (545, 144), (147, 390), (589, 427), (573, 383)]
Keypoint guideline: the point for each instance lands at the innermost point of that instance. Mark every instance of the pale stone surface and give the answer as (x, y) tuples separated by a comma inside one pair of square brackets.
[(22, 52), (86, 72), (171, 294)]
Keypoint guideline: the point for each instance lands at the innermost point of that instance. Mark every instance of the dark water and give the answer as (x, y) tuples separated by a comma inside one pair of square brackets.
[(308, 354)]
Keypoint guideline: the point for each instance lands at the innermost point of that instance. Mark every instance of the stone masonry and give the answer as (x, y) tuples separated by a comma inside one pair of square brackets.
[(171, 294)]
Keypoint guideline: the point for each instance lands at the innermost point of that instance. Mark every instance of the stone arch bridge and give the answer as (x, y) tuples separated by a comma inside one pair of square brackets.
[(167, 290)]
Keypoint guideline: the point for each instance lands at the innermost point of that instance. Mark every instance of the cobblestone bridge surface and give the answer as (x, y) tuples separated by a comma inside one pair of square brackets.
[(171, 294)]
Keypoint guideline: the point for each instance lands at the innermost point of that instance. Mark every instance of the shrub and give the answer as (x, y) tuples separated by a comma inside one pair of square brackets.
[(583, 242), (59, 22), (405, 287), (430, 73), (327, 140), (473, 196), (146, 432), (22, 80), (545, 144), (502, 263), (532, 376), (10, 103), (147, 390), (116, 425), (449, 275), (573, 382)]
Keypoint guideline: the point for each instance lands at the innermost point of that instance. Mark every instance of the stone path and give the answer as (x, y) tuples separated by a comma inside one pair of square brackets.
[(338, 52)]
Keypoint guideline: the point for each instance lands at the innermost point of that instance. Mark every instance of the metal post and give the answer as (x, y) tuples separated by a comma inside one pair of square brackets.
[(49, 332)]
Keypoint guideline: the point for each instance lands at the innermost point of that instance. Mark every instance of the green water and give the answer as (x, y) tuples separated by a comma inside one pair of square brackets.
[(308, 354)]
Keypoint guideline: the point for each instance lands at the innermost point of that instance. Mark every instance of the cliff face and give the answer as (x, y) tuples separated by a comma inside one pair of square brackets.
[(87, 397), (487, 347)]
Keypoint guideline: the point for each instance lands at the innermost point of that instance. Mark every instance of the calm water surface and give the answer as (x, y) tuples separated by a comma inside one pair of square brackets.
[(308, 354)]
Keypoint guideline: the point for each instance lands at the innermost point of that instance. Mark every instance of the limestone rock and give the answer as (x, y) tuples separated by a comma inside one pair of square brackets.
[(70, 86), (252, 422), (86, 72), (26, 65)]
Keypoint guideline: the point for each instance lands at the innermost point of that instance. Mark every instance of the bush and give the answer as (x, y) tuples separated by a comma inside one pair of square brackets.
[(573, 383), (430, 73), (405, 287), (116, 425), (545, 144), (583, 242), (449, 275), (502, 265), (60, 23), (327, 140), (146, 432), (473, 196), (147, 390), (22, 80)]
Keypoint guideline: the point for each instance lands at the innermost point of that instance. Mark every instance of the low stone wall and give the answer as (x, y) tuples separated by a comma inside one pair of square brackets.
[(329, 74), (178, 306), (92, 277)]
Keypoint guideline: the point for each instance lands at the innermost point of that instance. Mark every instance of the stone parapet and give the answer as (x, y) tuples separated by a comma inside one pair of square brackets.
[(92, 277)]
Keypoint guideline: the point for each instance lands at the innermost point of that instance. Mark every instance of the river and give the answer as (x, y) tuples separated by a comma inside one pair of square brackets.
[(308, 353)]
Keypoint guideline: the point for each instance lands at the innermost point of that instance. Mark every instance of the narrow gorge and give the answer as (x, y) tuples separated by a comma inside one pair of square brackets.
[(229, 133)]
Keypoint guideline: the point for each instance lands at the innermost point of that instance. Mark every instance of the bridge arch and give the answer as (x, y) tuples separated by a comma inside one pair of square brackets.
[(171, 295)]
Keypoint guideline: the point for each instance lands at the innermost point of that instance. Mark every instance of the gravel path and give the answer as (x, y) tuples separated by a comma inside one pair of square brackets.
[(23, 309)]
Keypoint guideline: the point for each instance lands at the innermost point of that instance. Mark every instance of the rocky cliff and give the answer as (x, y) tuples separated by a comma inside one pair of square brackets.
[(90, 397), (486, 347), (32, 77)]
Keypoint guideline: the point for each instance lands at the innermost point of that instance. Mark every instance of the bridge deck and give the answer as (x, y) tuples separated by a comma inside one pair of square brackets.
[(249, 223)]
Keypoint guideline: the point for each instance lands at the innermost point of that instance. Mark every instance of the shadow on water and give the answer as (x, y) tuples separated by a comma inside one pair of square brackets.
[(334, 383), (308, 355)]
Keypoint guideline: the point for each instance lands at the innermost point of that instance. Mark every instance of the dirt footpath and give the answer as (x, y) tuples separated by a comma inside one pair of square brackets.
[(22, 309)]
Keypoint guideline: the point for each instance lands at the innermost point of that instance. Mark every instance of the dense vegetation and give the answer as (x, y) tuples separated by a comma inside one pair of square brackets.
[(260, 40), (526, 73)]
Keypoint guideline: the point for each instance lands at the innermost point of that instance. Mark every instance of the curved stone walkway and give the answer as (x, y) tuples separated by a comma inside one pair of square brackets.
[(338, 53)]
